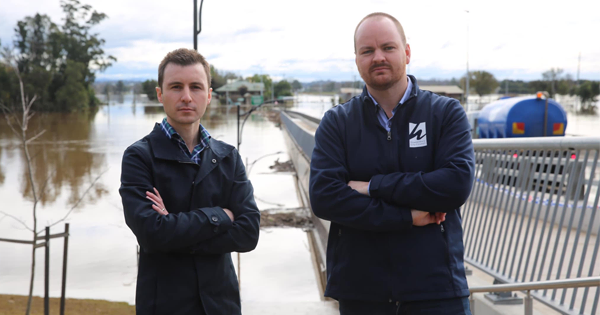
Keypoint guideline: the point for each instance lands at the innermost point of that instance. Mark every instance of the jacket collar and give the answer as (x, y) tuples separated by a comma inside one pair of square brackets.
[(413, 93), (164, 148)]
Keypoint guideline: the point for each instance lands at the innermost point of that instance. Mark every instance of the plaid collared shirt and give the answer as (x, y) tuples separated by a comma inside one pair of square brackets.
[(173, 135)]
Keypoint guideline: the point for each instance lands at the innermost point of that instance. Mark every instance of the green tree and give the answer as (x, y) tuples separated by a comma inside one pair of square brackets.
[(551, 76), (296, 85), (482, 82), (47, 55), (218, 78), (588, 92), (73, 94), (120, 87), (283, 88), (149, 88), (266, 80)]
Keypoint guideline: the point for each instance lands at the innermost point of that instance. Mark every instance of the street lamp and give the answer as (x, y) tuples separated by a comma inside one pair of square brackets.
[(197, 22), (240, 129)]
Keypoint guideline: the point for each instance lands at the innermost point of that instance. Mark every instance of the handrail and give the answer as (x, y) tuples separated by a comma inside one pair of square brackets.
[(529, 286), (541, 285), (535, 143)]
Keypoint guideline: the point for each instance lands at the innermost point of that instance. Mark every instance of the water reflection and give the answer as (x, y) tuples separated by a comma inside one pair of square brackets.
[(62, 158)]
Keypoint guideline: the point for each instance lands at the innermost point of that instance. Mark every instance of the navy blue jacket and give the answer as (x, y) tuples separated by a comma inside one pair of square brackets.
[(185, 263), (426, 162)]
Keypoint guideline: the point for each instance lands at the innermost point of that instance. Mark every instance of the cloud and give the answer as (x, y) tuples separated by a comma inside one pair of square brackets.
[(313, 38)]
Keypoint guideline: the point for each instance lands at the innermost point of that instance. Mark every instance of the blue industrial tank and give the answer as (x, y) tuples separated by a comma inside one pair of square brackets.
[(521, 117)]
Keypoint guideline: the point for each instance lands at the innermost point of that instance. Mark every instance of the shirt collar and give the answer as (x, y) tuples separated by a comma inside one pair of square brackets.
[(171, 133), (404, 97)]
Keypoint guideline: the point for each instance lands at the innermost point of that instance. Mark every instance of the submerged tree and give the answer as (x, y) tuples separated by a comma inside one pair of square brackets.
[(55, 60), (482, 82)]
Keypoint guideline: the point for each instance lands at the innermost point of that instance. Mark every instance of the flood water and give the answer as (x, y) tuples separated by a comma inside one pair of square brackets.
[(79, 148)]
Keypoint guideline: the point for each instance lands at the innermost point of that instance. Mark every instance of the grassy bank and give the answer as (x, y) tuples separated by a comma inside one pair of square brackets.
[(16, 305)]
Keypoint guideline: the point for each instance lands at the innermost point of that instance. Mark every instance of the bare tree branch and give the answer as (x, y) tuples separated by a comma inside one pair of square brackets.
[(7, 115), (31, 102), (35, 137), (16, 219), (78, 201)]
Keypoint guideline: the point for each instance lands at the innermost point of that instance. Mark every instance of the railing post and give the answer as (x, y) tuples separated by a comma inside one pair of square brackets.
[(528, 304), (64, 271), (503, 297), (47, 273), (472, 303)]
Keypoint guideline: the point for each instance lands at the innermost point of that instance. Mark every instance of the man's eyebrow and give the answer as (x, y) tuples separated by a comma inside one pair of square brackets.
[(173, 83), (192, 83), (389, 44)]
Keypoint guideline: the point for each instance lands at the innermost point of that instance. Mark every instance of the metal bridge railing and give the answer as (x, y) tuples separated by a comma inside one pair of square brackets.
[(533, 215), (542, 285)]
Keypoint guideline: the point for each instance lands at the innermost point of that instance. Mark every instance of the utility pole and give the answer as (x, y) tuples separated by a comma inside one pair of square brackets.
[(578, 67), (577, 105), (467, 78)]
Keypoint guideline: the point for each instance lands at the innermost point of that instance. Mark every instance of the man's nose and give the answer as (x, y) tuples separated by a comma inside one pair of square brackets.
[(186, 96), (378, 56)]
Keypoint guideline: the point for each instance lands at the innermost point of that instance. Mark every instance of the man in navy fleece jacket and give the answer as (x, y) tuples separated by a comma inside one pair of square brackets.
[(391, 169)]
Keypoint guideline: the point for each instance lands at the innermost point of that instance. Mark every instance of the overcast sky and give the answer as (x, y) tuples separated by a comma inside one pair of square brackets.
[(312, 39)]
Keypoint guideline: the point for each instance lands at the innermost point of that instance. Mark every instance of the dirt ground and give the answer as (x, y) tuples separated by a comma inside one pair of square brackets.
[(296, 219), (16, 305)]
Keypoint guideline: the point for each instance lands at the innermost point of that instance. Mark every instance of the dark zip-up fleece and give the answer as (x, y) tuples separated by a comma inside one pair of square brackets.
[(425, 162)]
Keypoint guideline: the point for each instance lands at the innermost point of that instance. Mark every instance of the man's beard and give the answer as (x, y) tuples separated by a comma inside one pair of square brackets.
[(376, 84)]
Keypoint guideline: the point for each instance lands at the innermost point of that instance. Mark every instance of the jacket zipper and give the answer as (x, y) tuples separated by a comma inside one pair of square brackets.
[(447, 248)]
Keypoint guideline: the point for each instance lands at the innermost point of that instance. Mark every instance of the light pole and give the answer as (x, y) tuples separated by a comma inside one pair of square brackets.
[(467, 77), (240, 128), (197, 22)]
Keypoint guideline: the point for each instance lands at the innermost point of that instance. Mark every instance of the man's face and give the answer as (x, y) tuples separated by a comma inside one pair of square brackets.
[(185, 93), (381, 56)]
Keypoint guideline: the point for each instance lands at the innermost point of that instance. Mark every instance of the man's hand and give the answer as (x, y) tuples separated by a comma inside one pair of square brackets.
[(361, 187), (422, 218), (158, 205), (229, 214)]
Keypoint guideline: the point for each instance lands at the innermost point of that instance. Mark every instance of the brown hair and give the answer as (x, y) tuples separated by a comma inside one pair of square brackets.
[(382, 15), (183, 57)]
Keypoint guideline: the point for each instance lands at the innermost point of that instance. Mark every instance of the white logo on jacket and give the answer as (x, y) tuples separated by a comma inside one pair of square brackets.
[(417, 135)]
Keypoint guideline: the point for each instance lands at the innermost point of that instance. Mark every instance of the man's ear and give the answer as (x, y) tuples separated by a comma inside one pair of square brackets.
[(407, 51), (209, 96), (159, 94)]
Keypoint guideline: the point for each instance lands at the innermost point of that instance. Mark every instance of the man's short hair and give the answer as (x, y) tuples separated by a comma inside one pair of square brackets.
[(382, 15), (183, 57)]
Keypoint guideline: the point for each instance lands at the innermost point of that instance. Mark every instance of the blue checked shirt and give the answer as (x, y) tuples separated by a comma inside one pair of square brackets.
[(173, 135)]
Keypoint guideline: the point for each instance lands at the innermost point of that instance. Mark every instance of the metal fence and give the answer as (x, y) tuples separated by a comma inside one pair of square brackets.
[(533, 215)]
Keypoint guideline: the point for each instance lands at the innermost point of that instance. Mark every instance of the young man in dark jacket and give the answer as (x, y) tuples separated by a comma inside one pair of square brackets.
[(188, 201), (390, 170)]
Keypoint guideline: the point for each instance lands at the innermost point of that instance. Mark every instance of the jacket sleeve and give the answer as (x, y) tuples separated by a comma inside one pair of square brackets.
[(243, 235), (330, 196), (448, 186), (156, 232)]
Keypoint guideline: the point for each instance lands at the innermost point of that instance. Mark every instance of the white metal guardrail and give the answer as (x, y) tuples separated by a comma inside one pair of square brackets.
[(533, 215)]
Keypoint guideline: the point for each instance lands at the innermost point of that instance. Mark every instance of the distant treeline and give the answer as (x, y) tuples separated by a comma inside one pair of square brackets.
[(57, 63), (218, 79)]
